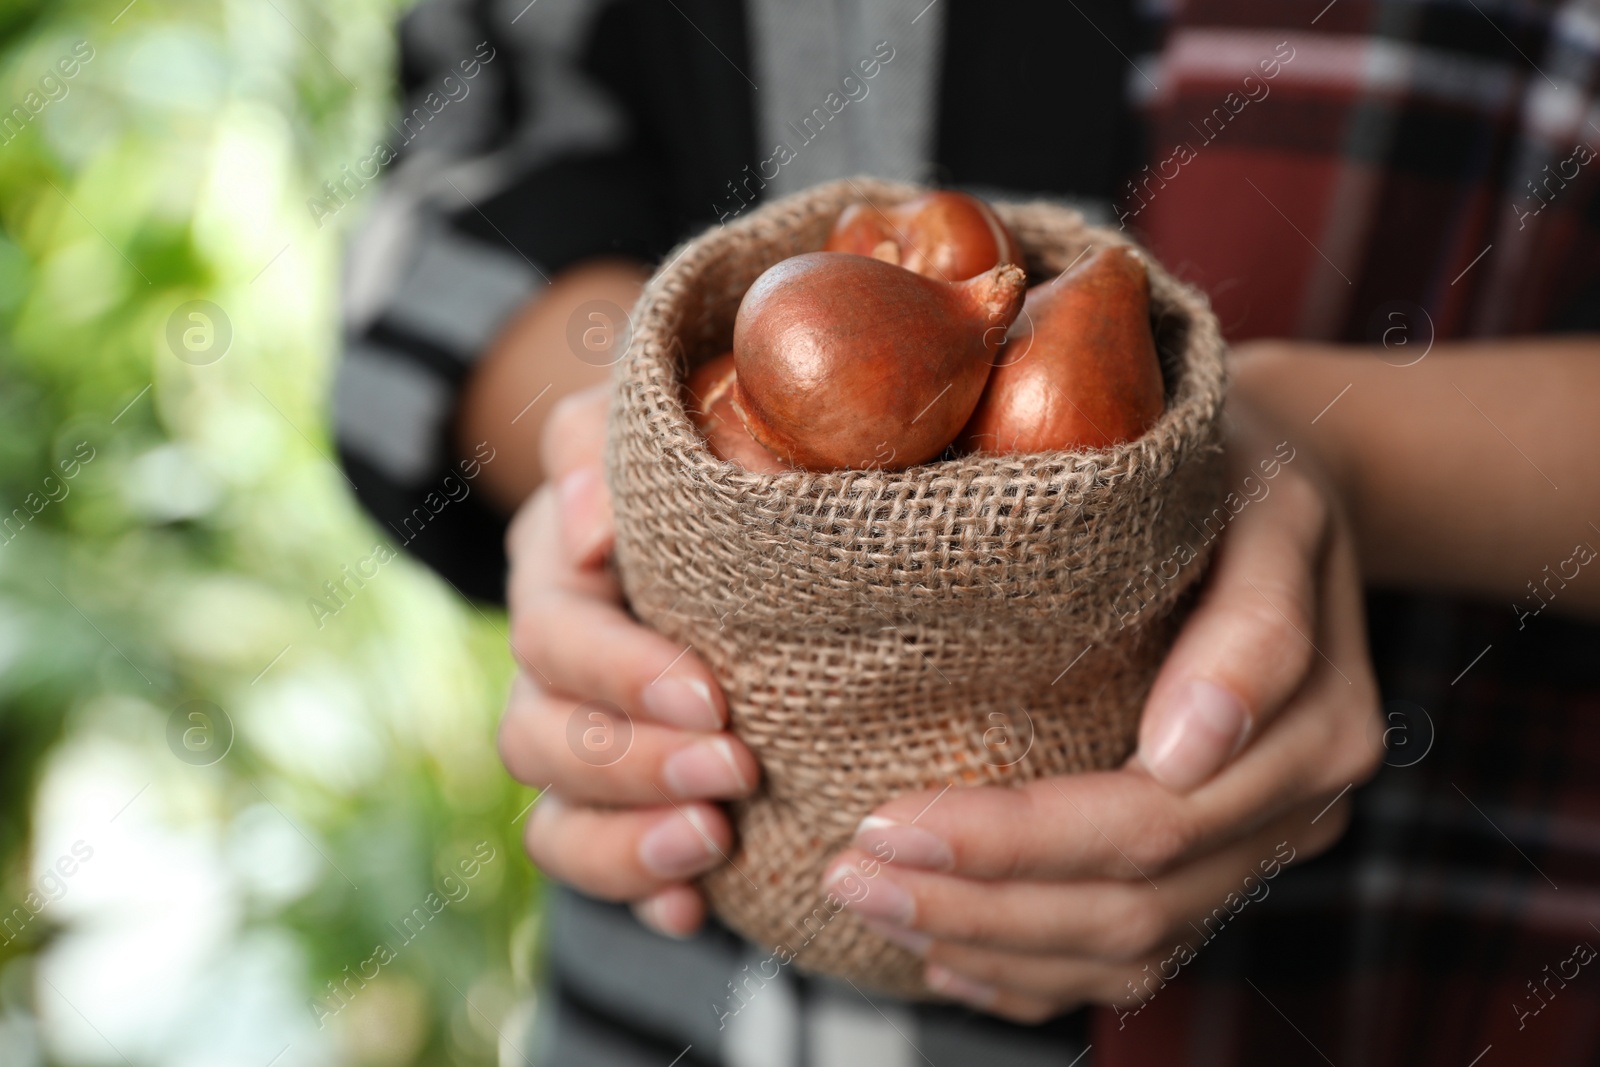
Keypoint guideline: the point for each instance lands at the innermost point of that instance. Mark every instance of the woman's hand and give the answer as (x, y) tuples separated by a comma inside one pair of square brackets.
[(1028, 901), (1025, 901), (622, 729)]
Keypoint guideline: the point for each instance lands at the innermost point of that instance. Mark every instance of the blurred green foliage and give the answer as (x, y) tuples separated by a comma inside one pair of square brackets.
[(166, 521)]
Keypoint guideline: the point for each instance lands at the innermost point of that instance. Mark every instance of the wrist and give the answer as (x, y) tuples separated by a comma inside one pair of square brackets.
[(1295, 389), (532, 364)]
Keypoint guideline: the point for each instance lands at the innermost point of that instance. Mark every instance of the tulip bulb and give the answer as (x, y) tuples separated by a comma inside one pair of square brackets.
[(944, 235), (708, 398), (1079, 368), (848, 361)]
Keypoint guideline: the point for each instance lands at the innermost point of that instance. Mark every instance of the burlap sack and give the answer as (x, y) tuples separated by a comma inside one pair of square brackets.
[(977, 621)]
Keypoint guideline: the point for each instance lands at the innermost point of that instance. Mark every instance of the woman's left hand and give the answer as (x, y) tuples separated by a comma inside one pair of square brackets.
[(1028, 901)]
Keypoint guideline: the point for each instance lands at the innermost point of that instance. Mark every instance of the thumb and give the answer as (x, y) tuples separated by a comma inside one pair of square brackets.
[(573, 450), (574, 435), (1247, 646)]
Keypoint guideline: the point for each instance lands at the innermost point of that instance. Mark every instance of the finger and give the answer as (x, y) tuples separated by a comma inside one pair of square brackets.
[(575, 432), (573, 447), (1029, 988), (1108, 824), (539, 563), (1247, 646), (1107, 920), (986, 972), (1123, 824), (627, 855), (587, 529), (568, 629), (595, 753), (675, 911), (1017, 1007), (576, 644)]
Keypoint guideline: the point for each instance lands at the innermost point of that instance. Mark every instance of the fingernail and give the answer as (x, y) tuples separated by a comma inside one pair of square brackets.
[(649, 913), (953, 985), (909, 940), (704, 769), (677, 847), (1208, 728), (581, 522), (547, 806), (882, 899), (681, 702), (907, 844)]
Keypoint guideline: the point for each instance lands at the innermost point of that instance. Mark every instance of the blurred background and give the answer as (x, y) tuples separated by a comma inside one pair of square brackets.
[(252, 812)]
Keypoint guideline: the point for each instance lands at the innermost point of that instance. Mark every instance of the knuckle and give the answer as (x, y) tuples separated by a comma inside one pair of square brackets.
[(1138, 926), (960, 925), (523, 529), (529, 628), (1264, 643), (1346, 735), (539, 836), (566, 419), (1364, 757), (1328, 733), (1276, 617), (949, 917), (629, 779), (1027, 1011), (509, 750), (1165, 839), (569, 854), (518, 751), (604, 884), (1017, 855), (1112, 987), (1303, 498), (1337, 822), (1329, 829), (629, 782)]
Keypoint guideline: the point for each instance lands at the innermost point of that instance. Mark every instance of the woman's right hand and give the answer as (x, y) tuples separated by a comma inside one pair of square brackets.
[(622, 729)]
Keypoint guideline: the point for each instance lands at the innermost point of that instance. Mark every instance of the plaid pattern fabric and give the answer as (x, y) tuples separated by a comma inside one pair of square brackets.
[(1432, 160), (1431, 154)]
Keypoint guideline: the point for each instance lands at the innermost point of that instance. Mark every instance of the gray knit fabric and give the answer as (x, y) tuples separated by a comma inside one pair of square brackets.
[(814, 98)]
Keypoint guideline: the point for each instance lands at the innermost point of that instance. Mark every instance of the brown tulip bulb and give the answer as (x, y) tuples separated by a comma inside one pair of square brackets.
[(1079, 368), (944, 235), (847, 361), (708, 398)]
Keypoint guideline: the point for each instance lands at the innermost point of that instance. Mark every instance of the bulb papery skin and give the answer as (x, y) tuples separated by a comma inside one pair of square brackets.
[(846, 361), (1079, 369)]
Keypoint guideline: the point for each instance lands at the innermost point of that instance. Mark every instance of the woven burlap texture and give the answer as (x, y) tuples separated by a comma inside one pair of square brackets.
[(979, 621)]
